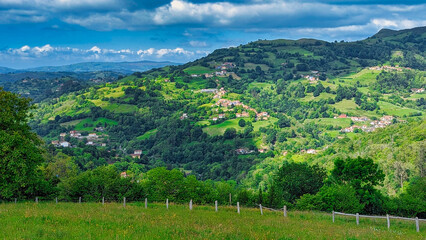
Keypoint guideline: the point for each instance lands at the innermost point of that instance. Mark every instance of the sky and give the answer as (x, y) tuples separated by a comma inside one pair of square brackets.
[(56, 32)]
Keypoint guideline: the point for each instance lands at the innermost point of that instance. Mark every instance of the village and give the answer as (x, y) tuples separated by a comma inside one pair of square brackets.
[(221, 71), (373, 125), (92, 139)]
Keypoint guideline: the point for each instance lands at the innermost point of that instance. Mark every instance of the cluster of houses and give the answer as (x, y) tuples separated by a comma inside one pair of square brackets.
[(232, 103), (417, 90), (221, 70), (225, 66), (388, 68), (93, 139), (383, 122), (313, 78)]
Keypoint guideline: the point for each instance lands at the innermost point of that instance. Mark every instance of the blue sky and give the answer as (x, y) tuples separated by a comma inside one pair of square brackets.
[(56, 32)]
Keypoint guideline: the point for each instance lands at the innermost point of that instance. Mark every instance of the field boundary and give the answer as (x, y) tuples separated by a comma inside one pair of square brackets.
[(387, 217), (283, 210)]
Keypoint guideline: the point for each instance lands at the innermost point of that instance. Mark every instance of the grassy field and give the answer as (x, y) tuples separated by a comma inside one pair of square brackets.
[(147, 134), (80, 126), (198, 70), (220, 128), (113, 221)]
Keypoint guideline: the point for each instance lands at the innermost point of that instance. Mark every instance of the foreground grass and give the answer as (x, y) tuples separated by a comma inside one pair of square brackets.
[(113, 221)]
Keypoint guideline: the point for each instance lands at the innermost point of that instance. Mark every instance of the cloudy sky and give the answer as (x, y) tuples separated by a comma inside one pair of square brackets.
[(56, 32)]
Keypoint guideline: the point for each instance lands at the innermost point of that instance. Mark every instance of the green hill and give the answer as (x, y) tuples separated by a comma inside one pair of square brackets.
[(239, 112)]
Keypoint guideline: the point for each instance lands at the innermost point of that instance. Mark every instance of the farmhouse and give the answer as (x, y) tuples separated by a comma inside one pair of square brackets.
[(93, 135), (311, 151), (262, 116), (138, 152), (65, 144), (75, 134), (417, 90), (184, 116), (208, 90)]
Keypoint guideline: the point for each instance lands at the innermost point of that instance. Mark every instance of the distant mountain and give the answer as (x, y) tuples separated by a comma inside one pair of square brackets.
[(6, 70), (121, 67)]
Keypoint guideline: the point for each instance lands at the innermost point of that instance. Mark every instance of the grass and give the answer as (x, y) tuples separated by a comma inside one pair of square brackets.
[(79, 126), (342, 122), (392, 109), (113, 221), (349, 106), (198, 70), (147, 134), (121, 108), (220, 128)]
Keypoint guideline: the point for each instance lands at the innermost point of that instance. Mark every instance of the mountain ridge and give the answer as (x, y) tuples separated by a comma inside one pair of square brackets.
[(121, 67)]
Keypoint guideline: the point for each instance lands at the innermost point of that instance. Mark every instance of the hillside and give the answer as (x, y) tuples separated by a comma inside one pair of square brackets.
[(238, 110), (41, 85)]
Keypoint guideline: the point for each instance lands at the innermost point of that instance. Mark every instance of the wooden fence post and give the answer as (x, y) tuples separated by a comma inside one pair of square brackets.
[(146, 202), (417, 225), (333, 216), (16, 200), (36, 199), (238, 207), (79, 200), (230, 199), (388, 220), (285, 211), (103, 200), (56, 200), (190, 205), (261, 210), (124, 201), (167, 203), (215, 205), (357, 218)]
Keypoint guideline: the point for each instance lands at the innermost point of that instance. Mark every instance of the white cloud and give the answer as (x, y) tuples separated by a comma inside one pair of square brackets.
[(197, 44), (63, 55), (95, 49), (177, 51)]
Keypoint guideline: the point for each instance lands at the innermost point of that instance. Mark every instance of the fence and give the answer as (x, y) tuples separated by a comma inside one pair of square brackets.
[(284, 210), (387, 217)]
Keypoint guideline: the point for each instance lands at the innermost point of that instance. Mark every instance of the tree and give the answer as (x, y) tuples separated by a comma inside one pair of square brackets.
[(283, 122), (242, 123), (295, 179), (363, 175), (20, 151), (230, 133)]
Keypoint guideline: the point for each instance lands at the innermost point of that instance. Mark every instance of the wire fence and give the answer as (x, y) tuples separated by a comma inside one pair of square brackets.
[(387, 217)]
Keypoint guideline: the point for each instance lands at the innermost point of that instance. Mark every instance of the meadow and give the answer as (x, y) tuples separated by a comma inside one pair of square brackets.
[(113, 221)]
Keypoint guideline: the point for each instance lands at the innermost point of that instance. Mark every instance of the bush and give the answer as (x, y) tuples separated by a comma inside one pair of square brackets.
[(341, 198)]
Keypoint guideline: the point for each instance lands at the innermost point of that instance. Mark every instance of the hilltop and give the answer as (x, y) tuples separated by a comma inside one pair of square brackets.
[(239, 112)]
